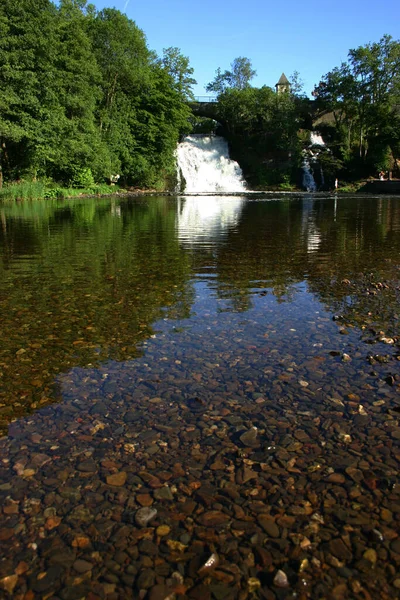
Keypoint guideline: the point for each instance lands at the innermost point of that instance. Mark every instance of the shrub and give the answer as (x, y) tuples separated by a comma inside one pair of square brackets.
[(82, 178)]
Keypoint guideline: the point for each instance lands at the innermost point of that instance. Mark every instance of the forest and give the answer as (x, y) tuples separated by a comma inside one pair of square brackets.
[(85, 102), (83, 99)]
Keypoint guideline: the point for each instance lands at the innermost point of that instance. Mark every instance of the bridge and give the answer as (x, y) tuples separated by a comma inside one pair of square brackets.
[(205, 106)]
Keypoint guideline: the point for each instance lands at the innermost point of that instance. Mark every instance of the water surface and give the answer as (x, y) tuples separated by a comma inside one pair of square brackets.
[(234, 361)]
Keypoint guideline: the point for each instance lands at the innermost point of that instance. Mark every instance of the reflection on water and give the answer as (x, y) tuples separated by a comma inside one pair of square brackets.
[(230, 365), (207, 218), (84, 281)]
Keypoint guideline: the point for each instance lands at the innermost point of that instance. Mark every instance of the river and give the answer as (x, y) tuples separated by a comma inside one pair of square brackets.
[(199, 397)]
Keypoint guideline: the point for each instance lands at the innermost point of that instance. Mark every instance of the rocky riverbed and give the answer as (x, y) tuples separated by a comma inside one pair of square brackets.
[(176, 484), (214, 420)]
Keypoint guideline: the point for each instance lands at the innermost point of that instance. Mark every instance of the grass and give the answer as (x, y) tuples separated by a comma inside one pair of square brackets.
[(37, 190), (351, 187)]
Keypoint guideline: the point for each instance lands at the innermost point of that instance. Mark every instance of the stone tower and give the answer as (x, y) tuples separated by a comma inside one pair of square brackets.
[(283, 84)]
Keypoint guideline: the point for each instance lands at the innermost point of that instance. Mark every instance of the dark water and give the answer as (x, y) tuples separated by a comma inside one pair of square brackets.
[(229, 362)]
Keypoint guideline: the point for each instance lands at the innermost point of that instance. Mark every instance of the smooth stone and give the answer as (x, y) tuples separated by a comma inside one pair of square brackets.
[(269, 526), (163, 493), (148, 548), (200, 592), (144, 515), (117, 479), (9, 583), (159, 592), (87, 466), (281, 580), (250, 438), (220, 591), (395, 545), (163, 530), (213, 518), (336, 478), (371, 555), (82, 566), (339, 549), (146, 579)]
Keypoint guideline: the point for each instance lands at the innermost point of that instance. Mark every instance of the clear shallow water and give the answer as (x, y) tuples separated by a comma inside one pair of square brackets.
[(145, 337)]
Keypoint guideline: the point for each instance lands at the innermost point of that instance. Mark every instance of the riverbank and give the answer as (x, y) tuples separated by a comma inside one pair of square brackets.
[(38, 191), (378, 186)]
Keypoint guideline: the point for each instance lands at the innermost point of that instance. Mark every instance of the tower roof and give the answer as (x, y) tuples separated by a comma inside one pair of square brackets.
[(283, 80)]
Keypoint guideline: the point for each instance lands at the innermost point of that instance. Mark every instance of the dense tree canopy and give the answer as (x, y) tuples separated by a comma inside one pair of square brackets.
[(80, 92), (363, 95), (262, 130)]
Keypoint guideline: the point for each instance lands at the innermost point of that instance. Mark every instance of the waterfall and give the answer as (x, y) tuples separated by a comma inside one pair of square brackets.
[(311, 158), (308, 178), (316, 139), (205, 166)]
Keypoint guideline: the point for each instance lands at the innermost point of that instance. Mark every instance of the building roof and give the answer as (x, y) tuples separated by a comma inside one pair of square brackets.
[(283, 80)]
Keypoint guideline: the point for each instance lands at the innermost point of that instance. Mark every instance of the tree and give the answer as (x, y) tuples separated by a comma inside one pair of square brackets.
[(363, 95), (296, 84), (27, 34), (75, 142), (143, 109), (178, 68), (262, 130), (238, 78), (124, 61)]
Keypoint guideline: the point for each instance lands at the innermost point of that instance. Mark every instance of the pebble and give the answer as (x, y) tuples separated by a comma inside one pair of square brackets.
[(82, 566), (163, 493), (281, 580), (145, 515), (9, 583), (163, 530), (250, 438), (146, 579), (210, 565), (117, 479), (269, 526), (371, 555), (212, 462)]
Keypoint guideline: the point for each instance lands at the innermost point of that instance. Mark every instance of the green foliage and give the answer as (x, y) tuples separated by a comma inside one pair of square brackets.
[(25, 190), (82, 177), (363, 96), (238, 78), (261, 127), (202, 125), (53, 193), (83, 98), (177, 66)]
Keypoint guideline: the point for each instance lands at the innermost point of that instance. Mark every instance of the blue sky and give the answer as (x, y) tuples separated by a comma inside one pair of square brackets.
[(312, 36)]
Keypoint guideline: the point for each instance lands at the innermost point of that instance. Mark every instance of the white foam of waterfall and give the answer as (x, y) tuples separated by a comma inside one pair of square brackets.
[(204, 164), (311, 156), (308, 178), (316, 139)]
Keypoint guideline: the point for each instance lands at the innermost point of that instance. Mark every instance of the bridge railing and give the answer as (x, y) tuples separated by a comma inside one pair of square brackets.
[(205, 99)]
